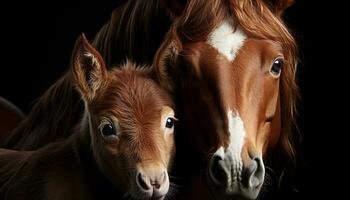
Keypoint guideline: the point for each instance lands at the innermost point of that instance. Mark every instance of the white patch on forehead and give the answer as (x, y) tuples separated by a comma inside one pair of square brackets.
[(227, 40), (237, 134)]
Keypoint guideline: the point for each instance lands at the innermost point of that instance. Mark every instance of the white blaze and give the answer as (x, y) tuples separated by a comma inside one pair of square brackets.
[(231, 156), (227, 40), (237, 135)]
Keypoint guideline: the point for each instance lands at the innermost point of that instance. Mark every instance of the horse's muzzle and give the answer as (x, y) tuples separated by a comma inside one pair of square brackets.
[(231, 178)]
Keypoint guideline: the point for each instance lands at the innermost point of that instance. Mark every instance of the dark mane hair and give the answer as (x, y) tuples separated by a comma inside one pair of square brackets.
[(58, 109), (120, 37), (60, 101)]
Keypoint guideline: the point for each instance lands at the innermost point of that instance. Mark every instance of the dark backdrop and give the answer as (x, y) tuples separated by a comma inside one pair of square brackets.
[(37, 39)]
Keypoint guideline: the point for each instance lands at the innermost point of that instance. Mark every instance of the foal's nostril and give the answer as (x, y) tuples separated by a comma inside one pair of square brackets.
[(143, 182), (162, 177), (217, 171), (158, 182), (155, 185)]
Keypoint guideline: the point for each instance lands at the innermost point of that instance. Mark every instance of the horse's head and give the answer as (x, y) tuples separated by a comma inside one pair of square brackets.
[(233, 66), (130, 120)]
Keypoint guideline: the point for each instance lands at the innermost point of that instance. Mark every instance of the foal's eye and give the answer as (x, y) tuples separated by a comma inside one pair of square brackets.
[(276, 67), (169, 122), (107, 129)]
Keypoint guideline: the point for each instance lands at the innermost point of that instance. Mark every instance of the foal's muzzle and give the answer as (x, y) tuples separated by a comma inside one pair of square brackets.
[(231, 178), (152, 184)]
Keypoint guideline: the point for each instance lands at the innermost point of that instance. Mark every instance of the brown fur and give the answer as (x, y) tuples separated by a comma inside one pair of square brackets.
[(258, 21), (206, 83), (135, 31), (71, 169), (116, 41), (271, 27)]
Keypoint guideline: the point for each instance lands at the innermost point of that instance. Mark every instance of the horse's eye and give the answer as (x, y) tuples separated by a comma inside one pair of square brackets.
[(276, 67), (169, 122), (108, 129)]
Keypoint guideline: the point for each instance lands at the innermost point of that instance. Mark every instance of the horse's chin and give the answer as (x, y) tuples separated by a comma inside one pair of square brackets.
[(222, 193)]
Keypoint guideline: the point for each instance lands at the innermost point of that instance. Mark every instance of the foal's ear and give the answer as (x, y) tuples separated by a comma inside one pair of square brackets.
[(279, 6), (174, 6), (89, 69)]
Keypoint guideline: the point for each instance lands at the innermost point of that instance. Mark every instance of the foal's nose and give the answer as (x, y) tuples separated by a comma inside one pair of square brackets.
[(234, 178), (154, 183)]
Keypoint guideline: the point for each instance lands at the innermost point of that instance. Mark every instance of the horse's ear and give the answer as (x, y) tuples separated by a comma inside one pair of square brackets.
[(278, 6), (165, 61), (174, 6), (88, 68)]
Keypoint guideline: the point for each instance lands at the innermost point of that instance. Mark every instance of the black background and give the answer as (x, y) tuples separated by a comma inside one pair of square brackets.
[(37, 38)]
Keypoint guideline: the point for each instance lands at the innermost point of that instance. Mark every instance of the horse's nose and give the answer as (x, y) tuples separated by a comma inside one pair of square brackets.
[(229, 175), (254, 174), (154, 184)]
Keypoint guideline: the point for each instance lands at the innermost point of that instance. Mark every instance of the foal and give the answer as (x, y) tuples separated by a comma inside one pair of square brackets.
[(124, 140)]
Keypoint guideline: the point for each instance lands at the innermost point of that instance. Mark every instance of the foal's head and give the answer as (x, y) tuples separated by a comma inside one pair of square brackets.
[(233, 65), (130, 120)]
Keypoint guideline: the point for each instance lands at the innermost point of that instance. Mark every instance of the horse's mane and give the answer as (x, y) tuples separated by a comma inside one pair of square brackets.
[(55, 112), (127, 34), (135, 30), (259, 20)]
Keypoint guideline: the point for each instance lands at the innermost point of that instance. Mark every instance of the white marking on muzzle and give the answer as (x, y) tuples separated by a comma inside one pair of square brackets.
[(237, 137), (227, 39), (232, 154)]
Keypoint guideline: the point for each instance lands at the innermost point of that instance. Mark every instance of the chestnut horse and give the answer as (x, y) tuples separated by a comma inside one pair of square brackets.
[(231, 65), (126, 133), (204, 62)]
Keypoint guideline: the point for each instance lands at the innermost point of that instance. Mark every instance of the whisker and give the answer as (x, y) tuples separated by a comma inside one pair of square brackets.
[(174, 177), (173, 190), (175, 186), (126, 196)]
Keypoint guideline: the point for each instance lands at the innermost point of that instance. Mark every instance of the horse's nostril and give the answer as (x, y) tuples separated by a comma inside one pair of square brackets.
[(217, 172), (256, 173), (143, 182)]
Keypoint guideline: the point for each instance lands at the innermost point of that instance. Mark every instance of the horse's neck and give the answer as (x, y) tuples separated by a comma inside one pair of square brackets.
[(51, 118), (135, 31)]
